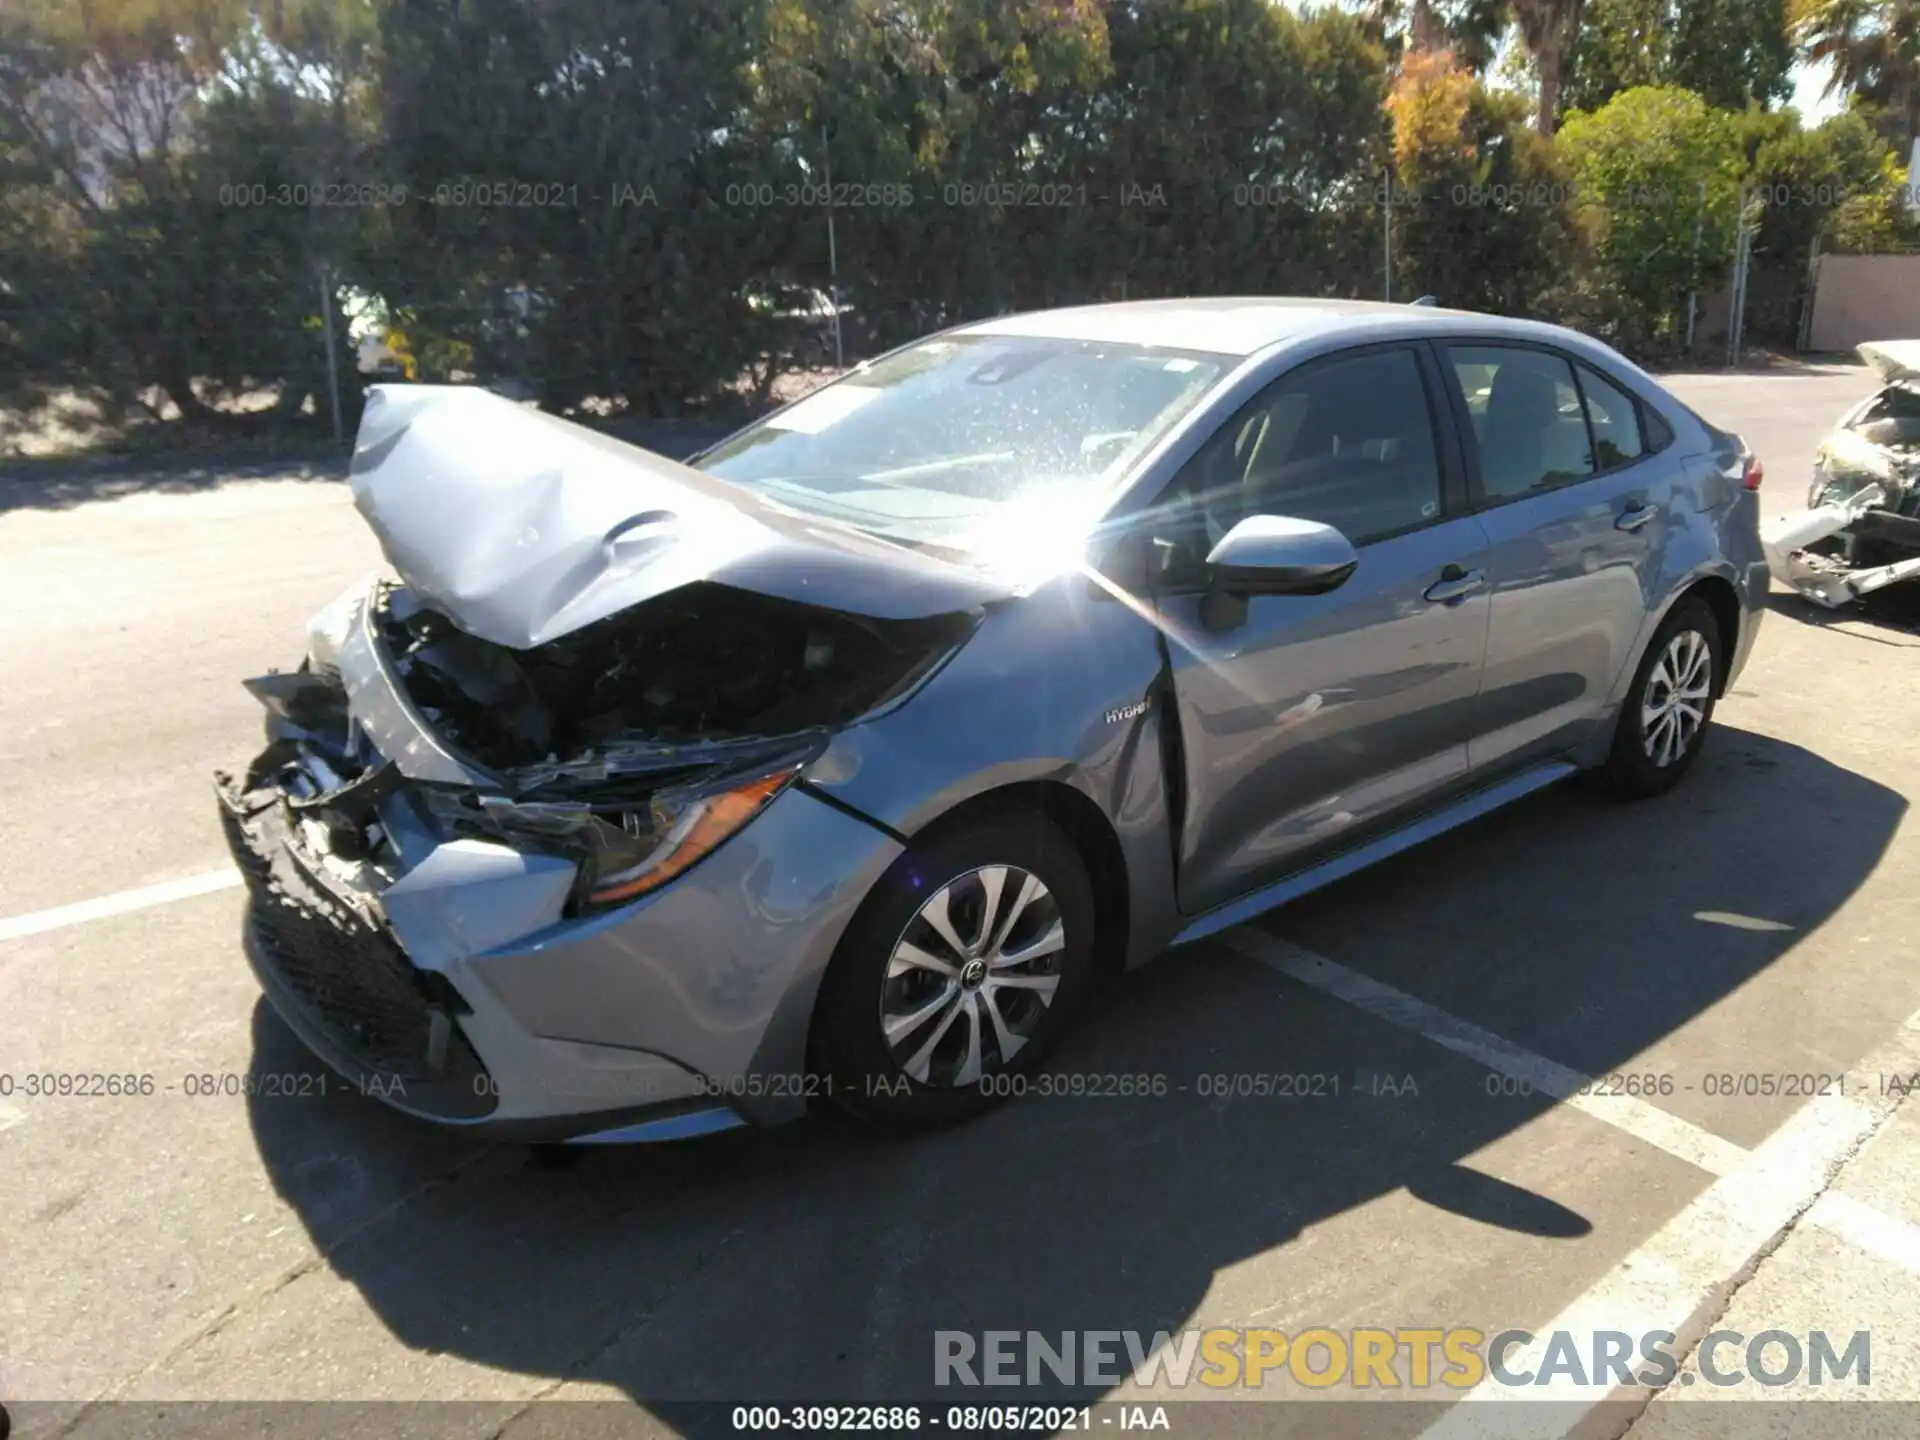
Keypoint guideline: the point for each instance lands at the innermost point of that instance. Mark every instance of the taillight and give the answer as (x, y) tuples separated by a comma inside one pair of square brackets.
[(1755, 473)]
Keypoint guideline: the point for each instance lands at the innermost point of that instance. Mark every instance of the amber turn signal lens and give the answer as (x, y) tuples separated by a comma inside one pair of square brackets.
[(695, 834)]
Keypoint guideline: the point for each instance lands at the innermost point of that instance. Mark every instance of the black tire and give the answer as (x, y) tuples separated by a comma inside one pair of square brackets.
[(1630, 770), (849, 1048)]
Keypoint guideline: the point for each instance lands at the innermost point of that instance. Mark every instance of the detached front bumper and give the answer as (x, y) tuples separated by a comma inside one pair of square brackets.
[(443, 977), (1799, 549)]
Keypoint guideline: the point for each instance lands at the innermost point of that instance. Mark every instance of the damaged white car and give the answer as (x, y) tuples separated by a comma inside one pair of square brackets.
[(1861, 529)]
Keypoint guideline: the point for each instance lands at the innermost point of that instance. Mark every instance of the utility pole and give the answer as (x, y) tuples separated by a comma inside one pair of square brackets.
[(1805, 333), (1693, 282), (1386, 210), (833, 254), (333, 364), (1742, 258)]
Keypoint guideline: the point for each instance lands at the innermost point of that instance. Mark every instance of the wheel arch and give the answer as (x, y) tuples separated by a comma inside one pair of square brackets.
[(1717, 590), (1723, 600), (1093, 837), (1085, 827)]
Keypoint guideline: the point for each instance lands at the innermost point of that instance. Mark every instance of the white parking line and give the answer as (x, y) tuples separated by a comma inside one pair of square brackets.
[(1674, 1279), (1645, 1122), (1883, 1236), (1678, 1279), (38, 922)]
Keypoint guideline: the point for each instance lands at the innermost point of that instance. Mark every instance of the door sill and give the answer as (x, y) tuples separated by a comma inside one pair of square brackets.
[(1348, 862)]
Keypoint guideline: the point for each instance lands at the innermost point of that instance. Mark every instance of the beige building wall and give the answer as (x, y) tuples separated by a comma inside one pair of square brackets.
[(1865, 297)]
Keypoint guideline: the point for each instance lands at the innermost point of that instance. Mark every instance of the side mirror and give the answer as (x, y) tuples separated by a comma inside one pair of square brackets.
[(1272, 555), (1279, 555)]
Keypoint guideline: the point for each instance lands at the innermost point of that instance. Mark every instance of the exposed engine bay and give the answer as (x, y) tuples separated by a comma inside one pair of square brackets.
[(630, 747), (597, 662), (1861, 530), (700, 665)]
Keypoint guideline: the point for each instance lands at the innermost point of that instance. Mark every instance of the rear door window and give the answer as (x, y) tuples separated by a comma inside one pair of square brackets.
[(1529, 425), (1615, 418)]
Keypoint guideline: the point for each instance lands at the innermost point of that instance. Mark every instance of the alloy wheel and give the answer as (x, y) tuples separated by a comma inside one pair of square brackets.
[(1674, 706), (971, 976)]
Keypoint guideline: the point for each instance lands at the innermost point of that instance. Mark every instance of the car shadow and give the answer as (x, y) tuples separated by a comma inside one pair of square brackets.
[(67, 482), (1895, 609), (818, 1261), (1811, 366)]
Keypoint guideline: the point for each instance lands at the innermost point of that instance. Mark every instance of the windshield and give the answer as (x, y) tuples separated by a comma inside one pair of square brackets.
[(957, 435)]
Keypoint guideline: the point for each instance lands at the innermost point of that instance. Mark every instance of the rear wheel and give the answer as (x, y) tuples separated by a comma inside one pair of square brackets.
[(1663, 721), (960, 970)]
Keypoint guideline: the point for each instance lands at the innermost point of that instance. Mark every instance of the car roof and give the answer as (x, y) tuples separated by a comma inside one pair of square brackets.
[(1245, 325)]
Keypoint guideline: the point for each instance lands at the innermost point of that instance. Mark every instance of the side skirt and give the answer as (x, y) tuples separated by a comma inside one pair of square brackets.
[(1348, 862)]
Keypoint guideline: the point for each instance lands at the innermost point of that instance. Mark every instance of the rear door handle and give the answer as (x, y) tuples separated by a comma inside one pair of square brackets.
[(1634, 516), (1456, 584)]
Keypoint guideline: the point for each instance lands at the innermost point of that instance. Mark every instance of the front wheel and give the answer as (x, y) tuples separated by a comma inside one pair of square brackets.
[(960, 969), (1664, 719)]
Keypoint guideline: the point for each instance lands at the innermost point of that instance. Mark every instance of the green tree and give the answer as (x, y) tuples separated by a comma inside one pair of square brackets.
[(1839, 181), (1623, 43), (572, 221), (968, 104), (1651, 170), (1731, 53), (1485, 219), (1265, 132), (150, 142), (1836, 183)]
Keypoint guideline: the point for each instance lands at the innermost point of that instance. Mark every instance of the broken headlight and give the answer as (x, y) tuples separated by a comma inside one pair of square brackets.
[(625, 849)]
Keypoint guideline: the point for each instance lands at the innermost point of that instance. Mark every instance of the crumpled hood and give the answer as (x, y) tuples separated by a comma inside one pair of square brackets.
[(521, 527), (1898, 361)]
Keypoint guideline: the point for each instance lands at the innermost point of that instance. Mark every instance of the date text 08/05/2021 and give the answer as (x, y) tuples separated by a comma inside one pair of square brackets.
[(1211, 1085), (950, 1419)]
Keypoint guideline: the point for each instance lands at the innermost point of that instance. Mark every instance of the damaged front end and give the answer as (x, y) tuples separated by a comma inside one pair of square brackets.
[(591, 674), (637, 744), (317, 855), (426, 796), (1861, 530)]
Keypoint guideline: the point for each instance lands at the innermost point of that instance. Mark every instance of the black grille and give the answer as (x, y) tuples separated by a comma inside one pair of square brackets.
[(341, 980)]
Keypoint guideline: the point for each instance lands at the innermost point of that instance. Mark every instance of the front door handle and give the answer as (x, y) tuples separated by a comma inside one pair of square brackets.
[(1456, 584), (1634, 516)]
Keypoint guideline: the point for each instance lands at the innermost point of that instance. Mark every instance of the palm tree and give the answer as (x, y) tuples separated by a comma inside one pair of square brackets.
[(1470, 29), (1548, 28), (1874, 49)]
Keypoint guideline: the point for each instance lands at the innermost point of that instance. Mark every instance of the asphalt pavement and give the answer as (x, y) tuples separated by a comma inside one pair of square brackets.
[(1437, 1165)]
